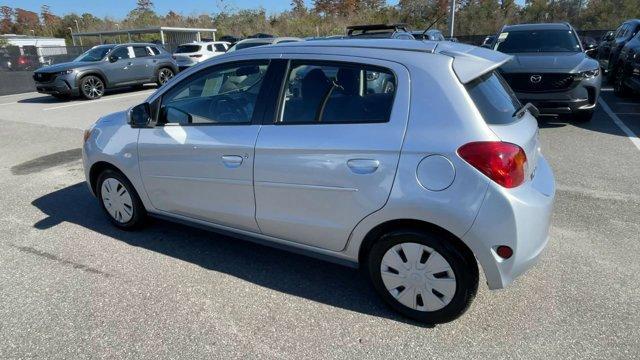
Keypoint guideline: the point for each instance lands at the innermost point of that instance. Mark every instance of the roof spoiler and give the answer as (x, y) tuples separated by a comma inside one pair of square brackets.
[(471, 62)]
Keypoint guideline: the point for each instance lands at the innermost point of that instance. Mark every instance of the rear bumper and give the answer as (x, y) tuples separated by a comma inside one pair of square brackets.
[(519, 218)]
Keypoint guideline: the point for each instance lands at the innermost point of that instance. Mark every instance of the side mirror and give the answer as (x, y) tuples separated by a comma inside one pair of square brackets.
[(113, 58), (140, 116), (178, 116)]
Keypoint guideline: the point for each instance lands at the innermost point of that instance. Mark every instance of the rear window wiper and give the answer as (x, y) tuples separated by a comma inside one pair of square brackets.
[(527, 107)]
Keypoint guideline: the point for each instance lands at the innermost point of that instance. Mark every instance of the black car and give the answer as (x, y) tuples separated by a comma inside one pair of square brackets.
[(609, 49), (626, 77), (550, 69)]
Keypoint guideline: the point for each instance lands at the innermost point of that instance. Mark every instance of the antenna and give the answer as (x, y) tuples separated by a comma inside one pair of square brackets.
[(433, 23)]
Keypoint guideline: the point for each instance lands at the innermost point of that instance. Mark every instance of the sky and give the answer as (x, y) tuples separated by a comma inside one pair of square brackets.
[(120, 8)]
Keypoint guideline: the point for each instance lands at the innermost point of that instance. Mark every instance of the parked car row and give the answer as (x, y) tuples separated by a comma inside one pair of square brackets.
[(619, 57)]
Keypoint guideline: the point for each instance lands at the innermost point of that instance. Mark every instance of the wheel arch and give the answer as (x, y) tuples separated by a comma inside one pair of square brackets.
[(97, 169), (409, 224), (96, 73)]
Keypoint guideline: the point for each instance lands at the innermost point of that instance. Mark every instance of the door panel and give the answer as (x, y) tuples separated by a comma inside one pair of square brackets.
[(186, 171), (315, 182), (120, 71), (199, 162)]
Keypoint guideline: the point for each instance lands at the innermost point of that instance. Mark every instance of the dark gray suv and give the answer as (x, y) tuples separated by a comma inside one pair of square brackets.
[(550, 69), (106, 66)]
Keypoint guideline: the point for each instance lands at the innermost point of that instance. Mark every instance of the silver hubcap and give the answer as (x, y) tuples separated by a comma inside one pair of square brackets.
[(93, 87), (165, 75), (117, 200), (418, 277)]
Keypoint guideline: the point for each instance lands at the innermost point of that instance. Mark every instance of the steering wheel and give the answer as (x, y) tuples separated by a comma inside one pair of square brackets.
[(225, 108)]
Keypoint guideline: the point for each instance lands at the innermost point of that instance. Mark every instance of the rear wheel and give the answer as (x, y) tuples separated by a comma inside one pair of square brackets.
[(164, 75), (423, 275), (119, 200), (91, 87)]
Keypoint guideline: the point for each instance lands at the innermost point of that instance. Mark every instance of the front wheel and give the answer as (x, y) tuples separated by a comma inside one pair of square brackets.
[(91, 87), (164, 75), (119, 200), (423, 276)]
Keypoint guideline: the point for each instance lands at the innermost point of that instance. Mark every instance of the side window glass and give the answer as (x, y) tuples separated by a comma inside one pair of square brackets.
[(210, 47), (337, 93), (121, 53), (220, 48), (140, 51), (218, 95), (153, 51)]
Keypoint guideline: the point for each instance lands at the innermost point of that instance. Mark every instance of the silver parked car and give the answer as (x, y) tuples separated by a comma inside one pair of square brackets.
[(106, 66), (410, 159)]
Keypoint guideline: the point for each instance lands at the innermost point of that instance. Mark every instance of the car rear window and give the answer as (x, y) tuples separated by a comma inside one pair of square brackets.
[(494, 99), (187, 49)]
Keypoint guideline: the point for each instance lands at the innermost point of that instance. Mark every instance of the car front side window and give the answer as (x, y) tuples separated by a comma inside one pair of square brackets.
[(220, 95)]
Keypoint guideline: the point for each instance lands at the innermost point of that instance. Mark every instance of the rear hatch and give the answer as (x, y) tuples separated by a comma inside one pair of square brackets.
[(187, 54), (498, 105)]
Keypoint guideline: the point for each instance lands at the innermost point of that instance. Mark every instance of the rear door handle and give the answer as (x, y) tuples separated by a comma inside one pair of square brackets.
[(232, 161), (363, 166)]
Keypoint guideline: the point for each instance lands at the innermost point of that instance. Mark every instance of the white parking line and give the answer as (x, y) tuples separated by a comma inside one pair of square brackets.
[(96, 101), (633, 137)]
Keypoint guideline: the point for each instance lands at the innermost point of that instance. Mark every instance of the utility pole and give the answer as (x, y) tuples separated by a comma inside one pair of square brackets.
[(73, 38), (452, 17), (78, 28)]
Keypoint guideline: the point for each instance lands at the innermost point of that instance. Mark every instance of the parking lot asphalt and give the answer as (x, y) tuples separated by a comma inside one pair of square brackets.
[(73, 286)]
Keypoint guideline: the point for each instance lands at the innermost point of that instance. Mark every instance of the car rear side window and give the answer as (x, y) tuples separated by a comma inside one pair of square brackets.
[(494, 99), (220, 47), (140, 51), (333, 93)]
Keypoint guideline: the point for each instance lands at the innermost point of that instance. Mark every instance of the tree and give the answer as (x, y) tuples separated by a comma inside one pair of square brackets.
[(144, 5), (298, 7), (26, 21), (6, 23)]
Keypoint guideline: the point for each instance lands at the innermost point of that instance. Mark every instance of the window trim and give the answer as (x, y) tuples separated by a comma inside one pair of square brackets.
[(255, 119), (291, 63)]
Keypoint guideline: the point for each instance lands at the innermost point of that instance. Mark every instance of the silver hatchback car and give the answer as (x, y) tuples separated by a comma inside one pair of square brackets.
[(412, 160)]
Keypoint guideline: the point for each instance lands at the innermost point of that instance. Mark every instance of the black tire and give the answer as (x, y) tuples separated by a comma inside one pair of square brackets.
[(582, 116), (464, 269), (139, 213), (91, 87), (164, 74), (619, 87)]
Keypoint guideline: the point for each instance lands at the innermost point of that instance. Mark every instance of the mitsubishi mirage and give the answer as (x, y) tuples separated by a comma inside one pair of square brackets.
[(412, 160)]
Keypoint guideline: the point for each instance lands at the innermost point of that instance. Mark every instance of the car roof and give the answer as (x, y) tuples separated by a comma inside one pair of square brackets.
[(204, 43), (469, 61), (541, 26), (268, 40)]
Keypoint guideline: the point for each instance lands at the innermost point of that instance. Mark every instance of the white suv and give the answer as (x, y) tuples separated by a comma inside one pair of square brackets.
[(410, 159), (187, 55)]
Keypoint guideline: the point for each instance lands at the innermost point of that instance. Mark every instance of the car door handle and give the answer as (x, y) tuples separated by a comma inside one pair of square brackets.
[(232, 161), (363, 166)]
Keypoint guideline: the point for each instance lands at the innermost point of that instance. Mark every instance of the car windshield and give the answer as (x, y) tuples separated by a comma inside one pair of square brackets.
[(187, 49), (240, 46), (522, 41), (95, 54)]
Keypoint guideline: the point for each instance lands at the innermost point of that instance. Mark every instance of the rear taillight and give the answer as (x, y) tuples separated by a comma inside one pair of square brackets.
[(502, 162), (196, 56)]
